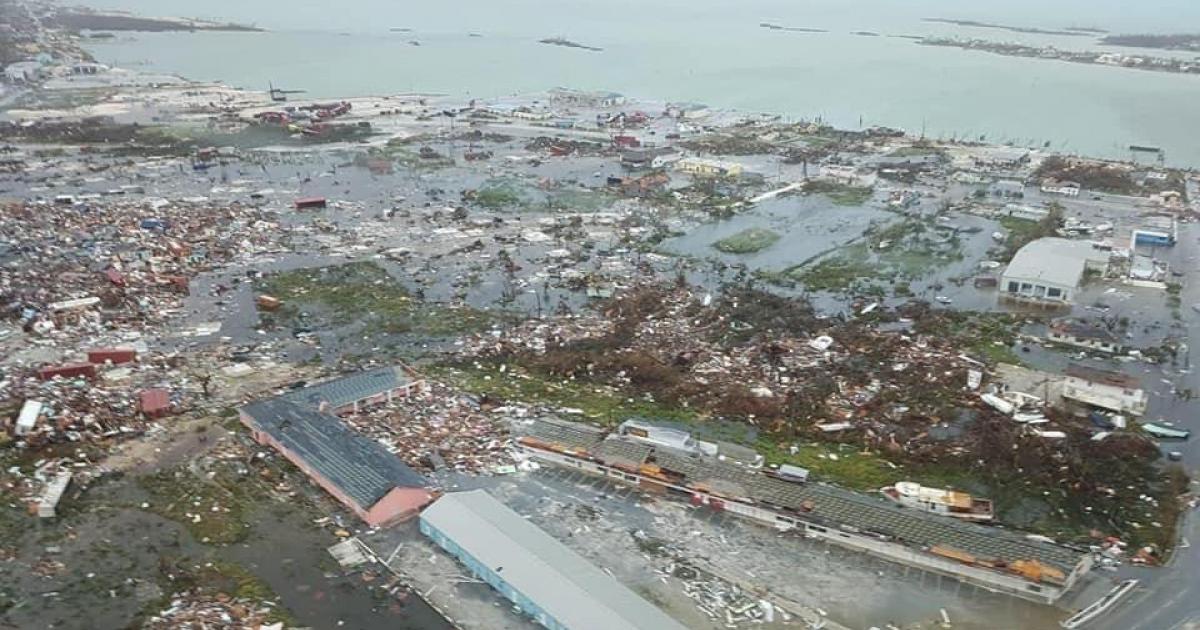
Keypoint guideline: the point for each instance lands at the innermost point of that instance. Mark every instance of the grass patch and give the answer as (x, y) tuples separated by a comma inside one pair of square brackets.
[(501, 193), (599, 403), (580, 200), (366, 292), (212, 512), (839, 194), (1021, 232), (915, 151), (747, 241)]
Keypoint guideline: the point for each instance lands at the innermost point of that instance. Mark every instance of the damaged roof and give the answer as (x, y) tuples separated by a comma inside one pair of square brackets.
[(820, 503), (347, 390), (359, 466), (573, 591)]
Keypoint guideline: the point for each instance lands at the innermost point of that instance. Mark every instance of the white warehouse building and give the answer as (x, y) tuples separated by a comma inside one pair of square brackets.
[(1050, 270)]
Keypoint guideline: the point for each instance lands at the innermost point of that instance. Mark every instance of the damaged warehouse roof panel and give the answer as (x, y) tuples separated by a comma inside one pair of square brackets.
[(823, 503), (350, 389), (359, 466)]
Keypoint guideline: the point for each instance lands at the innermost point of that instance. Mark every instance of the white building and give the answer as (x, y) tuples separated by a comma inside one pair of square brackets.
[(581, 98), (48, 503), (710, 168), (22, 72), (1113, 391), (1050, 270), (1056, 187)]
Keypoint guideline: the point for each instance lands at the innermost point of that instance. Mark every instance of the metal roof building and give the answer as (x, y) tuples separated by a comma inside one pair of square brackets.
[(345, 393), (886, 527), (1051, 269), (548, 581), (355, 469)]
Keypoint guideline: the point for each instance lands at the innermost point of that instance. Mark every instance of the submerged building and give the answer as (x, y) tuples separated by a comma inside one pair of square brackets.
[(555, 586), (1050, 270)]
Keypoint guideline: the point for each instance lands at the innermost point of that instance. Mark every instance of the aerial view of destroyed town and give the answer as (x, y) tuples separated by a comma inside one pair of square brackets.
[(631, 315)]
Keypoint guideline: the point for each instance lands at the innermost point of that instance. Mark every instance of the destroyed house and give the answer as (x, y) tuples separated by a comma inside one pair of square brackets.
[(555, 586), (358, 471), (1082, 335), (1105, 389), (993, 558), (349, 394)]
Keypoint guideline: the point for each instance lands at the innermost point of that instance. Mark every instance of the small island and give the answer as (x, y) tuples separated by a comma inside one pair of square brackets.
[(1066, 32), (793, 29), (747, 241), (566, 43)]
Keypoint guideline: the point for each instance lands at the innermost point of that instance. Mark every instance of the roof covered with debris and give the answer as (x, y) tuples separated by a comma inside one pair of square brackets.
[(359, 466), (562, 583), (340, 392), (821, 503)]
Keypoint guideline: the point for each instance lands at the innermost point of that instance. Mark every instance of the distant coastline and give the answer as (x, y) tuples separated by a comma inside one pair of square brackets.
[(1183, 42), (80, 19), (1074, 31), (1132, 62)]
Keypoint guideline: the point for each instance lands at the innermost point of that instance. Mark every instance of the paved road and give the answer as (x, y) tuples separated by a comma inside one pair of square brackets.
[(1169, 597)]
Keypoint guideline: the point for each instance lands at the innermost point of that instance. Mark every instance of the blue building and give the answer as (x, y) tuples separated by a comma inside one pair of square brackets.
[(555, 586)]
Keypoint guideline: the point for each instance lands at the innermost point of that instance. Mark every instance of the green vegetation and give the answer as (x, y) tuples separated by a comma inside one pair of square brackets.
[(366, 292), (839, 194), (730, 144), (747, 241), (599, 403), (502, 193), (577, 199), (1021, 232), (915, 151)]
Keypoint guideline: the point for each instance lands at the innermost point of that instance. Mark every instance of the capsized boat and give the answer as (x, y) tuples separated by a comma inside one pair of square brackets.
[(1165, 432), (939, 501)]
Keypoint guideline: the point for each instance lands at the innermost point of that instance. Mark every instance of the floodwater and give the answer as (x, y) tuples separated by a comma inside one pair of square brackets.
[(712, 52), (808, 226), (112, 555)]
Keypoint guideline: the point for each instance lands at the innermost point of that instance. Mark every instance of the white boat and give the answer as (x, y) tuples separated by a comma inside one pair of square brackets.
[(939, 501), (943, 299)]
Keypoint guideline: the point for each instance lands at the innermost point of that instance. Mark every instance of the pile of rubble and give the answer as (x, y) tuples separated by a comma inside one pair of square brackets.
[(722, 601), (440, 430), (679, 346), (194, 611)]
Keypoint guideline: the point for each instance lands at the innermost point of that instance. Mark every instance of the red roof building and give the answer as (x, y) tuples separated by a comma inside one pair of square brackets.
[(155, 403), (67, 370), (116, 355)]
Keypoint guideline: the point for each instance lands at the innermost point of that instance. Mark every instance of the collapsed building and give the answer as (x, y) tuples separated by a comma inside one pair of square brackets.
[(991, 558)]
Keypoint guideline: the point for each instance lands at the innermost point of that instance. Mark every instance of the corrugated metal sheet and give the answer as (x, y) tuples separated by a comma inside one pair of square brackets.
[(830, 505), (30, 413), (349, 389), (559, 581), (358, 465)]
